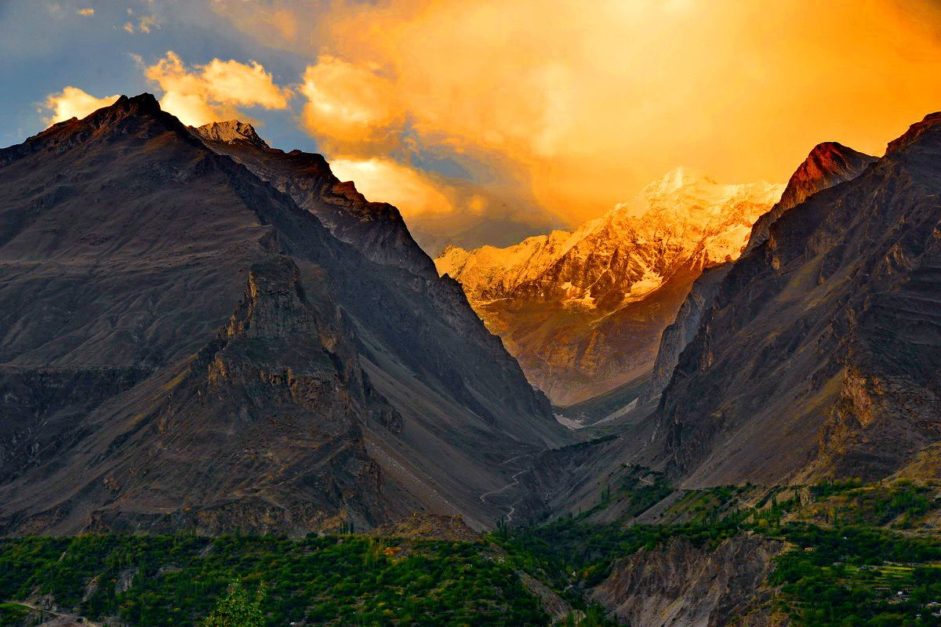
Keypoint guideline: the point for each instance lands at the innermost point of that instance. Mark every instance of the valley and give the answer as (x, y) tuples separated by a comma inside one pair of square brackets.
[(235, 385), (583, 311)]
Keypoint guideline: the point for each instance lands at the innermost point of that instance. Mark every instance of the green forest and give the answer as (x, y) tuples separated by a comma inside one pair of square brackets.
[(856, 555)]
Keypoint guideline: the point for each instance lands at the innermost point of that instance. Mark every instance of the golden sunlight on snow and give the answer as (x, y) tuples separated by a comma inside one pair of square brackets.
[(684, 216)]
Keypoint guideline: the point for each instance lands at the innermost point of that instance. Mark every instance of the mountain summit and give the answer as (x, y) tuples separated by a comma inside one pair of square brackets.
[(232, 132), (376, 229), (583, 310), (828, 164)]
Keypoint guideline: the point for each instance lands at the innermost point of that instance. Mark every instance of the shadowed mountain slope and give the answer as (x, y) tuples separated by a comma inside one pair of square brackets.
[(828, 164), (820, 355), (376, 229), (183, 346)]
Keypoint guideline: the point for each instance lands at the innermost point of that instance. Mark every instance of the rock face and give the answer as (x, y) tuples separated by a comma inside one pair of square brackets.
[(377, 230), (679, 334), (828, 164), (583, 311), (182, 346), (681, 584), (820, 355), (281, 382)]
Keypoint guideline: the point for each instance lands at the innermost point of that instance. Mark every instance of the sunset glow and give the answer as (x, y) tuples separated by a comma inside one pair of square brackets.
[(595, 102), (543, 122), (470, 312)]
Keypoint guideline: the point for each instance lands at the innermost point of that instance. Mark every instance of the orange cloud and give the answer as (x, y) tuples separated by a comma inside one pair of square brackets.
[(285, 24), (213, 92), (72, 102), (147, 23), (592, 101), (414, 193), (350, 108)]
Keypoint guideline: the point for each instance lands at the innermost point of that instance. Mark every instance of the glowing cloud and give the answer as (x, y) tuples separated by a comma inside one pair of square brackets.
[(591, 102), (73, 102), (352, 109), (213, 92), (147, 24), (383, 179)]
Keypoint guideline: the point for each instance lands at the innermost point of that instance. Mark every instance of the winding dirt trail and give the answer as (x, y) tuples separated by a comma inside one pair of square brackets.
[(514, 482)]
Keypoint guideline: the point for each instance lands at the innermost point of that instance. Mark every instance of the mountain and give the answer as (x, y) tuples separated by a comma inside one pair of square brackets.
[(184, 344), (819, 356), (828, 164), (583, 311)]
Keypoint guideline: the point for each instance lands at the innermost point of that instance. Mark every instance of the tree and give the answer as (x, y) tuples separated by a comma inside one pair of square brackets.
[(237, 609), (503, 529)]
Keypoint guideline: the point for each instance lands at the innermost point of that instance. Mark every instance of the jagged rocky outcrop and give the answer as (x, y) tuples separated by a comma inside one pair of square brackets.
[(828, 164), (263, 430), (683, 584), (583, 311), (182, 346), (820, 355)]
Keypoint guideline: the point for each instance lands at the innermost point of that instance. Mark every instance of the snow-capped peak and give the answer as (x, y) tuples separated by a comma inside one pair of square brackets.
[(682, 219)]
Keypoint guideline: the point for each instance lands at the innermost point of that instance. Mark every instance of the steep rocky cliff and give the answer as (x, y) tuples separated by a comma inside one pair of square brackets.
[(828, 164), (281, 382), (682, 584), (583, 311), (683, 329), (820, 355), (183, 346)]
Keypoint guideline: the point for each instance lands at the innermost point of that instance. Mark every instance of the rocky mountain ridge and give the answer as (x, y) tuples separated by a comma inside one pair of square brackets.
[(826, 165), (682, 584), (184, 346), (583, 311), (376, 229), (825, 335)]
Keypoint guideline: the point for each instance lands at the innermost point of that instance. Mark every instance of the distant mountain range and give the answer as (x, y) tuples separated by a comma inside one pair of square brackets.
[(583, 311), (200, 332)]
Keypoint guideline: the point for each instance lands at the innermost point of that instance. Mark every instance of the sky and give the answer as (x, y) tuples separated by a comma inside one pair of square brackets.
[(490, 120)]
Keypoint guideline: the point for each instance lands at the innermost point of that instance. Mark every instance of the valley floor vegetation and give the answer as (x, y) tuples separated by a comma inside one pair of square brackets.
[(855, 555)]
